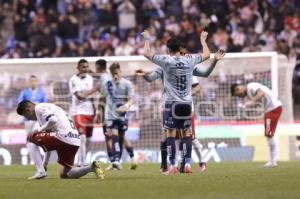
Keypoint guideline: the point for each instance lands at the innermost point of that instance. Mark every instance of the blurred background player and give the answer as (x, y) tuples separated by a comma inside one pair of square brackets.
[(83, 110), (177, 83), (157, 73), (56, 133), (37, 95), (258, 93), (118, 93), (102, 76)]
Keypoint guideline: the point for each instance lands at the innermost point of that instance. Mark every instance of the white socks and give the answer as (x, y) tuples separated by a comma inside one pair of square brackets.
[(197, 147), (272, 149), (78, 172), (46, 158), (35, 155), (82, 151)]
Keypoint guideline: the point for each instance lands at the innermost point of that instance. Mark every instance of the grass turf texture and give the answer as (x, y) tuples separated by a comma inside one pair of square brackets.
[(221, 181)]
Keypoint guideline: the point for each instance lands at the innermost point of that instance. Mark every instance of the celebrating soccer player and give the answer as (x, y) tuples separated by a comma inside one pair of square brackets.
[(56, 133), (158, 73), (118, 93), (258, 93), (177, 82)]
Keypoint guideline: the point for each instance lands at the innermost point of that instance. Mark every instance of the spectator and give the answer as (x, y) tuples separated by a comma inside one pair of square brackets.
[(20, 28), (238, 38), (126, 15), (124, 49), (68, 26), (220, 39), (87, 21), (268, 38), (47, 43), (293, 21), (172, 25), (288, 34)]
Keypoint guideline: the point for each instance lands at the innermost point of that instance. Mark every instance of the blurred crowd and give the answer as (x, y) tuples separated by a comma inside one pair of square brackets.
[(67, 28)]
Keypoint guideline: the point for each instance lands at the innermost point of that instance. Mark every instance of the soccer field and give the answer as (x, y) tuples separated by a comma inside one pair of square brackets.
[(223, 180)]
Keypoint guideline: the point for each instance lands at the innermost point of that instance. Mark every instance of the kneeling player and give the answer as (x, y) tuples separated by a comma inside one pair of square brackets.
[(56, 133), (118, 93), (256, 92)]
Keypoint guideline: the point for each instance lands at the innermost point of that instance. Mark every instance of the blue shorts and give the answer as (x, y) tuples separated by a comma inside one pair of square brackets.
[(177, 115), (119, 125)]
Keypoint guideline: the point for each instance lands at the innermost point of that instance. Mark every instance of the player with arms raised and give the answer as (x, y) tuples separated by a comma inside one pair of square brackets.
[(258, 93), (56, 133), (157, 73), (177, 81)]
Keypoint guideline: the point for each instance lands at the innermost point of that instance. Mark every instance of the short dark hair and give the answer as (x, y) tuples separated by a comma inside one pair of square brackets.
[(32, 76), (22, 106), (232, 88), (82, 61), (114, 66), (101, 64), (174, 45)]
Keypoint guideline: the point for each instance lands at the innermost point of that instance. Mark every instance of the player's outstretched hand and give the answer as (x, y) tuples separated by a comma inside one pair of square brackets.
[(219, 54), (140, 72), (146, 34), (203, 36)]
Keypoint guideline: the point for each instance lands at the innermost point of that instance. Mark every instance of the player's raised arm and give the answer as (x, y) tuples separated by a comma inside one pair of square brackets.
[(147, 50), (205, 73), (150, 76), (206, 52)]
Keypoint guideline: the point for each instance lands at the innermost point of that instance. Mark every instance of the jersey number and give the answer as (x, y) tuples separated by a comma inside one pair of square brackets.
[(181, 82)]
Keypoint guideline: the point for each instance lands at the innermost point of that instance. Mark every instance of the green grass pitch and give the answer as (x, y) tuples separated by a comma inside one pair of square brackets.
[(221, 181)]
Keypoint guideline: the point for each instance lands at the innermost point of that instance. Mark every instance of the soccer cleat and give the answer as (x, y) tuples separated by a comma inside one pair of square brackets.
[(38, 175), (173, 169), (202, 167), (133, 165), (187, 169), (270, 165), (117, 166), (164, 171), (98, 169)]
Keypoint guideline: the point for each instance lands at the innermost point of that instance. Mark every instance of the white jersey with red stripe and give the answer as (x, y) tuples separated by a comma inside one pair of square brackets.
[(64, 128), (77, 84), (269, 100)]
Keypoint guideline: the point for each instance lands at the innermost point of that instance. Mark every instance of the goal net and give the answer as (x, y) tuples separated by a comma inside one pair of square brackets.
[(222, 125)]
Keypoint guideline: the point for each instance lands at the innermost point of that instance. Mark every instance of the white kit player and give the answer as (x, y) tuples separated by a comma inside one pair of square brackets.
[(56, 133), (82, 110), (258, 93)]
